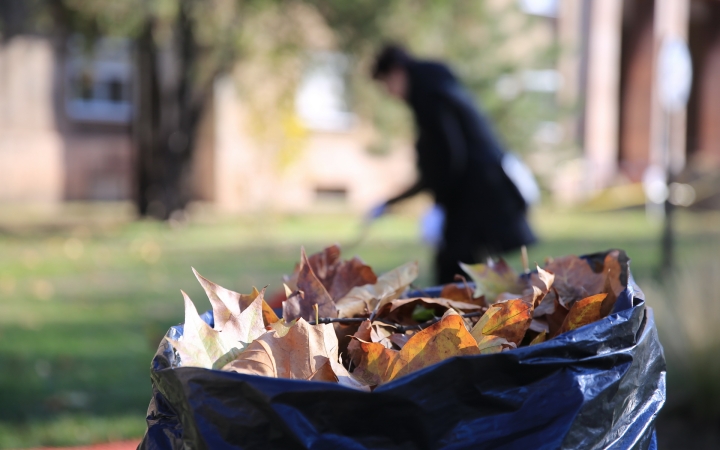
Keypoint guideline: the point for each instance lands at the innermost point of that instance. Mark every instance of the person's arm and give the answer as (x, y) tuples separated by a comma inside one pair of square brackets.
[(412, 191)]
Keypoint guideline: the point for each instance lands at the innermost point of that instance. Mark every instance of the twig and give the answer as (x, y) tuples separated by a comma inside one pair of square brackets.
[(338, 320), (420, 290), (459, 277), (317, 313), (398, 327), (524, 257)]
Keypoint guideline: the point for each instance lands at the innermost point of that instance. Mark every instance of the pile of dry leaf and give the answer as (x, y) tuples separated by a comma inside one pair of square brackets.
[(343, 323)]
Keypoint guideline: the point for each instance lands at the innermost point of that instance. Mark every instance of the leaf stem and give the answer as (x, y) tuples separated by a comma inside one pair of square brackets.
[(398, 327), (524, 257)]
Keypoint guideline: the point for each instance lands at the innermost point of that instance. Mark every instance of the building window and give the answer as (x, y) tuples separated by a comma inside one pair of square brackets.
[(545, 8), (99, 80), (321, 100)]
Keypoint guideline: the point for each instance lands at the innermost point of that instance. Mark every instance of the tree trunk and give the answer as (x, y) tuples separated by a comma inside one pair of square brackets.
[(167, 113)]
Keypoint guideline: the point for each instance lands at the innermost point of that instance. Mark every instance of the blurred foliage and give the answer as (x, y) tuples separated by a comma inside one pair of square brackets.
[(482, 42)]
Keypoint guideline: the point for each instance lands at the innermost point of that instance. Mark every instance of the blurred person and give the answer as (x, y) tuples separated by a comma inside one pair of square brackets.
[(479, 211)]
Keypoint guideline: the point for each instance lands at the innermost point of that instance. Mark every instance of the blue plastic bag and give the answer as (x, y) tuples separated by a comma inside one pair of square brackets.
[(599, 386)]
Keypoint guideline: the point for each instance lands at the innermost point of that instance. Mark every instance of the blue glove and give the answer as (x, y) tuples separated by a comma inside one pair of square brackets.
[(432, 224), (376, 212)]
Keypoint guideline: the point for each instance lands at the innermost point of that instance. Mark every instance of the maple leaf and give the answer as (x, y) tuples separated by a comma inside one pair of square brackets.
[(363, 300), (336, 275), (375, 364), (549, 315), (227, 304), (583, 312), (203, 346), (305, 352), (577, 278), (312, 292), (493, 278), (509, 320)]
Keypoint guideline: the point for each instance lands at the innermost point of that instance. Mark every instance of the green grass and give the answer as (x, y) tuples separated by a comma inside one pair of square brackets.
[(84, 305)]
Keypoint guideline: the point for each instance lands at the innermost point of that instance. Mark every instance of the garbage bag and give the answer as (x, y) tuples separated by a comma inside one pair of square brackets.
[(599, 386)]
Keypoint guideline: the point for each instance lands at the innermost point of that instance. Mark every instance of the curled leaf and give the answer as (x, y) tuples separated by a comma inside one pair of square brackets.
[(312, 292), (361, 301), (540, 338), (583, 312)]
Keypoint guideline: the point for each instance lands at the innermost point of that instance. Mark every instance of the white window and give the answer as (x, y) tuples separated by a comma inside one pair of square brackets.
[(321, 98), (99, 81), (545, 8)]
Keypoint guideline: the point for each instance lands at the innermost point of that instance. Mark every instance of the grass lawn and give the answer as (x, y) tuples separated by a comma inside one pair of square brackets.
[(83, 307)]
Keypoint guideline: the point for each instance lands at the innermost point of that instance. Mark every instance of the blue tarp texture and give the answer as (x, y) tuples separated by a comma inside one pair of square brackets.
[(600, 386)]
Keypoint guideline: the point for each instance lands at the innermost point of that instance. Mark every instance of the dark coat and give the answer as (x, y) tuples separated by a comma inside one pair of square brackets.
[(459, 160)]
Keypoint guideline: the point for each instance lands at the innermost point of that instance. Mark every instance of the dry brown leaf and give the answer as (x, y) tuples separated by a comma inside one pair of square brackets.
[(312, 292), (361, 301), (575, 279), (376, 364), (583, 312), (509, 320), (202, 346), (305, 352), (226, 303), (336, 275), (461, 293), (550, 313)]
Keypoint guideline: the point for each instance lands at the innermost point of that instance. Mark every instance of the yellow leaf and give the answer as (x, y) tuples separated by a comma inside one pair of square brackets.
[(540, 338), (509, 320), (376, 364), (583, 312)]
